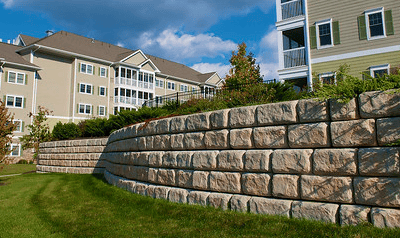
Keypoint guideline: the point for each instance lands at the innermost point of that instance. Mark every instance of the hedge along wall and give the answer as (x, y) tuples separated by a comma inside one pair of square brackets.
[(303, 159)]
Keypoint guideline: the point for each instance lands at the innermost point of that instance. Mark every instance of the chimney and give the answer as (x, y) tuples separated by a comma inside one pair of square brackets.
[(49, 32), (8, 41)]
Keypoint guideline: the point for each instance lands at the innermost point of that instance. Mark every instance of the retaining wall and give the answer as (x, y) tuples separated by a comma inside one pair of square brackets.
[(304, 159)]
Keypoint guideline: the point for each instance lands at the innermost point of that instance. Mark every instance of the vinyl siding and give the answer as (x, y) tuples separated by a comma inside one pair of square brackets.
[(136, 59)]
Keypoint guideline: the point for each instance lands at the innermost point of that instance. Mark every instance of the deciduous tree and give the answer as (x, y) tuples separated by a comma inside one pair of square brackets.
[(7, 126)]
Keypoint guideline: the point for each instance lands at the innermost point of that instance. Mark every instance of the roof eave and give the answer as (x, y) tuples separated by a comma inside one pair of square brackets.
[(177, 78), (20, 65)]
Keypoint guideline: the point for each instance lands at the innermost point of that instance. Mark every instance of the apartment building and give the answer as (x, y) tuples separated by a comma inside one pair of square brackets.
[(317, 36), (78, 78)]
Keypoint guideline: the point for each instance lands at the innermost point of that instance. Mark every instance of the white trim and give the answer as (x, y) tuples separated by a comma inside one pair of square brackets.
[(15, 96), (166, 76), (105, 91), (20, 125), (86, 88), (74, 92), (372, 69), (22, 65), (105, 73), (104, 108), (293, 73), (86, 68), (356, 54), (160, 80), (85, 107), (16, 77), (308, 46), (170, 88), (183, 85), (370, 12), (293, 23), (329, 74), (317, 25), (134, 53), (151, 62), (19, 150)]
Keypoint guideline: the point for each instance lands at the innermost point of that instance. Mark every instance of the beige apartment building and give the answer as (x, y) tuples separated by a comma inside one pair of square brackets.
[(78, 78), (317, 36)]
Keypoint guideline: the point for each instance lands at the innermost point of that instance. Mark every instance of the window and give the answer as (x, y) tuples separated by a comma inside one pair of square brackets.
[(328, 78), (102, 111), (15, 101), (85, 88), (86, 68), (379, 71), (103, 72), (171, 86), (102, 91), (184, 88), (19, 125), (85, 109), (17, 78), (15, 150), (324, 34), (375, 24), (160, 83)]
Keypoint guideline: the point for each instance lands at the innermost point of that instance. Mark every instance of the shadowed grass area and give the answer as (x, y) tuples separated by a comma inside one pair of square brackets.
[(62, 205), (7, 169)]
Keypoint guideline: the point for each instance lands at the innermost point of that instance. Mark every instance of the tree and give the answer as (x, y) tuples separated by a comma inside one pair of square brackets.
[(244, 69), (39, 131), (7, 126)]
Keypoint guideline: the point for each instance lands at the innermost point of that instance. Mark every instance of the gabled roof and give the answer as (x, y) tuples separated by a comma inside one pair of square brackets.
[(8, 54), (27, 40)]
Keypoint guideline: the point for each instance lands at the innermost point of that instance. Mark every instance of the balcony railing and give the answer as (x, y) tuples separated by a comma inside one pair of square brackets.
[(292, 9), (294, 57)]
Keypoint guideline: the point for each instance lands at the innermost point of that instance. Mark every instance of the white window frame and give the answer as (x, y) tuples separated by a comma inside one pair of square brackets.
[(105, 72), (330, 74), (184, 88), (370, 12), (323, 22), (86, 68), (160, 83), (105, 90), (14, 96), (372, 69), (104, 110), (12, 146), (171, 86), (16, 77), (85, 108), (86, 88), (20, 125)]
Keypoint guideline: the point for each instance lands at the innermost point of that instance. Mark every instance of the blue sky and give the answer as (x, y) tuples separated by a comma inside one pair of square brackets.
[(198, 33)]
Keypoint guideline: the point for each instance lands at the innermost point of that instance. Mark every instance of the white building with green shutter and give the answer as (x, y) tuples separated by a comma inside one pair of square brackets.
[(316, 37)]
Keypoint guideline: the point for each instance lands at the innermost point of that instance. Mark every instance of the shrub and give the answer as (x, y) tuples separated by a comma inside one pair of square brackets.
[(66, 131), (22, 161)]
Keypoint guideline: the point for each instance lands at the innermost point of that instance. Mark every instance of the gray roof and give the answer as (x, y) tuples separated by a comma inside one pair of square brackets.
[(9, 54), (28, 39)]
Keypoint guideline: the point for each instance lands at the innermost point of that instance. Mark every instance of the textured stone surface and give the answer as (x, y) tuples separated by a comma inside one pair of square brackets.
[(270, 206), (217, 139), (230, 160), (178, 195), (388, 130), (201, 180), (166, 177), (326, 188), (155, 159), (205, 160), (242, 117), (219, 200), (309, 135), (169, 159), (185, 178), (379, 104), (377, 191), (162, 126), (257, 160), (343, 111), (225, 182), (270, 137), (315, 211), (379, 161), (353, 133), (194, 141), (219, 119), (184, 160), (241, 138), (161, 192), (353, 214), (240, 203), (198, 122), (150, 191), (256, 184), (277, 113), (161, 142), (382, 217), (285, 186), (141, 189), (141, 141), (178, 124), (177, 142), (312, 110), (149, 143), (335, 161), (197, 197), (292, 161), (153, 175)]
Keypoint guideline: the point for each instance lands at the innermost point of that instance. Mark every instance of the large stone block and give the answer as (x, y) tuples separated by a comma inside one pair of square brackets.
[(198, 122), (162, 142), (382, 217), (197, 197), (343, 111), (388, 130), (149, 143), (153, 175), (142, 158), (141, 189), (150, 191), (141, 141), (205, 160), (270, 206), (241, 138), (335, 161), (353, 214), (285, 186), (315, 211), (161, 192), (257, 160), (240, 203), (353, 133), (162, 126), (277, 113), (142, 173), (225, 182), (185, 178), (194, 141), (309, 135), (256, 184), (292, 161), (217, 139), (184, 160), (219, 200), (178, 195), (327, 188), (242, 117), (312, 110), (177, 142), (230, 160), (155, 159), (219, 119), (169, 159), (377, 191), (177, 124), (270, 137), (201, 180), (379, 161), (379, 104), (166, 177)]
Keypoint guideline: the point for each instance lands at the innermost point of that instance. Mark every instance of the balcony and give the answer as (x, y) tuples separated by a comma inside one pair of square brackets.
[(291, 8), (294, 51), (294, 57)]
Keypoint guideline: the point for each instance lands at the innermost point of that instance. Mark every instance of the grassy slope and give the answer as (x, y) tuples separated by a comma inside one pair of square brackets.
[(16, 168), (62, 205)]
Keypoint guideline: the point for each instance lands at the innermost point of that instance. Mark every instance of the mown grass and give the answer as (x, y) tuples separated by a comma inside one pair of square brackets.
[(7, 169), (62, 205)]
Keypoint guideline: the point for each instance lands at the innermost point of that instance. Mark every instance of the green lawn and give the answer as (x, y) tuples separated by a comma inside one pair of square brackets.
[(65, 205), (7, 169)]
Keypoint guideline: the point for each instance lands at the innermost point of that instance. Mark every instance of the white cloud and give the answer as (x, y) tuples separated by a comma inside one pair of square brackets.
[(8, 3), (220, 68), (270, 40), (267, 57)]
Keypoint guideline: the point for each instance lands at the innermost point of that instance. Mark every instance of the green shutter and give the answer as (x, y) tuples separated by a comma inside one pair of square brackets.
[(362, 28), (107, 73), (105, 111), (98, 91), (24, 103), (98, 110), (22, 126), (99, 71), (6, 76), (313, 37), (106, 91), (94, 70), (80, 67), (336, 33), (26, 79), (79, 87), (4, 99), (389, 23)]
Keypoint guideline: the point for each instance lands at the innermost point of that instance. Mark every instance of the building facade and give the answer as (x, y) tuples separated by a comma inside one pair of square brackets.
[(316, 37)]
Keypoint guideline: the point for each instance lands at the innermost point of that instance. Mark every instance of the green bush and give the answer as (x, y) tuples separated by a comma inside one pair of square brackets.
[(66, 131), (22, 161)]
